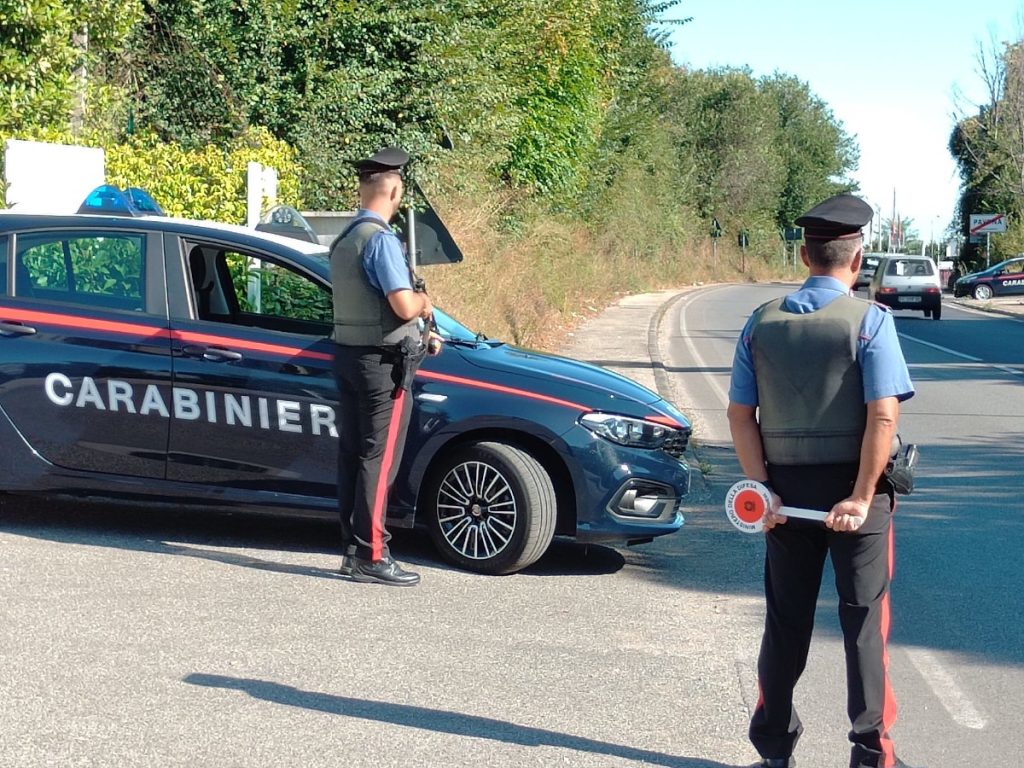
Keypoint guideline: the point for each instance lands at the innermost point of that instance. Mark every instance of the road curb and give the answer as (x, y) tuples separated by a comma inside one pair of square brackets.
[(992, 310), (661, 380)]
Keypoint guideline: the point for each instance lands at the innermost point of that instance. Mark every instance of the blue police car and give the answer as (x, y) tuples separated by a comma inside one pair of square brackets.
[(154, 360)]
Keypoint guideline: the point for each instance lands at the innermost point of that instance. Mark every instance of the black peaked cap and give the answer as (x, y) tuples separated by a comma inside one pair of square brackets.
[(387, 159), (838, 218)]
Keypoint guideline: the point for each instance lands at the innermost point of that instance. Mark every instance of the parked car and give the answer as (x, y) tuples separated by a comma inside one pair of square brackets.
[(902, 281), (152, 360), (868, 265), (1003, 279)]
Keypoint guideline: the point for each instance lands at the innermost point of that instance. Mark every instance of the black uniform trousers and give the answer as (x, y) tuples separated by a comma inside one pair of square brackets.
[(794, 560), (373, 418)]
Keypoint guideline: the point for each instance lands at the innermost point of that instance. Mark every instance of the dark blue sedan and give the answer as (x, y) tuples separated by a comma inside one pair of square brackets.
[(151, 360)]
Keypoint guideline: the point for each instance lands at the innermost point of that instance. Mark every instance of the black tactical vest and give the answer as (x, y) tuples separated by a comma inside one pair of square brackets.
[(809, 385), (362, 314)]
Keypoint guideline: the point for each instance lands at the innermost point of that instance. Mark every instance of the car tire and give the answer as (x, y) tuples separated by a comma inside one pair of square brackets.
[(927, 313), (490, 507), (982, 292), (937, 313)]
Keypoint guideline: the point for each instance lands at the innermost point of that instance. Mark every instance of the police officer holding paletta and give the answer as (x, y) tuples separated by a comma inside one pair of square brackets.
[(379, 329), (817, 380)]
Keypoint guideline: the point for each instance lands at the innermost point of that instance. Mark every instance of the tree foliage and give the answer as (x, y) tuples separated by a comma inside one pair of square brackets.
[(573, 103), (988, 147), (48, 48)]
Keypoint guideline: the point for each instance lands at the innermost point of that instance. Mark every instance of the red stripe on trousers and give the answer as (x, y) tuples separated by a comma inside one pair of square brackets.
[(888, 699), (381, 495)]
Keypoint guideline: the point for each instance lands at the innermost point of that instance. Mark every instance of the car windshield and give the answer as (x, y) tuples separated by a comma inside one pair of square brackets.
[(452, 329)]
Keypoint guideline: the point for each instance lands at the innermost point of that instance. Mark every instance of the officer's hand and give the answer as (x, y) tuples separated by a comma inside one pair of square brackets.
[(434, 344), (428, 307), (771, 516), (847, 516)]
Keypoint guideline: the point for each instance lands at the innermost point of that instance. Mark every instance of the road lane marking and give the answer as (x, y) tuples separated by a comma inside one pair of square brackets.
[(946, 690), (723, 395), (961, 355)]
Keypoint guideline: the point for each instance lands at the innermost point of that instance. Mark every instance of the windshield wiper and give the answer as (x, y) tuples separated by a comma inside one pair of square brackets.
[(458, 342)]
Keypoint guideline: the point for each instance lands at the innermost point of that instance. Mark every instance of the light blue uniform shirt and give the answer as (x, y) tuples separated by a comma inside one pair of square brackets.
[(383, 259), (882, 365)]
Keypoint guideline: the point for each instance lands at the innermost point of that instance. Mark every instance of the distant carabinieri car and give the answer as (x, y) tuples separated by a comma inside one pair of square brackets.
[(1003, 279), (164, 360)]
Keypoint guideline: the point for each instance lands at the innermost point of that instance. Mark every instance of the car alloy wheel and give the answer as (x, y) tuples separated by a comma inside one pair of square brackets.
[(982, 292), (491, 508)]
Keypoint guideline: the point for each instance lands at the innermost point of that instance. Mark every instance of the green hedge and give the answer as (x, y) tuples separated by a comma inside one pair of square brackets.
[(203, 183)]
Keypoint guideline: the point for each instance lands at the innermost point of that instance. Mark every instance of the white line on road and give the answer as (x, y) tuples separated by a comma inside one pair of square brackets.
[(719, 390), (945, 688), (961, 355)]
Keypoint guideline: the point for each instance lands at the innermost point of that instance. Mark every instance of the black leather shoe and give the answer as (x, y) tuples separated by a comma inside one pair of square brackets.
[(775, 762), (385, 571)]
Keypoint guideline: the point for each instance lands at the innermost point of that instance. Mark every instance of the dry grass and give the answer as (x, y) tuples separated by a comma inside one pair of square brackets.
[(531, 277)]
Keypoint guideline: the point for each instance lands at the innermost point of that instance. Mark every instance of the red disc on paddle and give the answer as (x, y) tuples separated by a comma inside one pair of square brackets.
[(749, 506)]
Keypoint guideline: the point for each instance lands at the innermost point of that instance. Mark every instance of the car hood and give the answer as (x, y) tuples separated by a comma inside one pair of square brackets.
[(975, 275), (592, 385)]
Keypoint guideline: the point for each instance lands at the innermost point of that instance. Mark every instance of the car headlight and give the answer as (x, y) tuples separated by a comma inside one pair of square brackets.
[(624, 430)]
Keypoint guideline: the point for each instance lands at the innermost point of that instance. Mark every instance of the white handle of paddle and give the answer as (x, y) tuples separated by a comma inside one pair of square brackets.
[(803, 514)]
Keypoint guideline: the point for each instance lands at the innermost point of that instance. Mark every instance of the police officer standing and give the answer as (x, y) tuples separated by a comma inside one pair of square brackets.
[(817, 380), (378, 322)]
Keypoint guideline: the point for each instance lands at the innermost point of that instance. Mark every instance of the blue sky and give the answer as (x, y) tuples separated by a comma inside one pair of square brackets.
[(894, 74)]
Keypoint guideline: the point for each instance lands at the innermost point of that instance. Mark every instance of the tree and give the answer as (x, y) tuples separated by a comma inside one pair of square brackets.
[(988, 147), (47, 49), (816, 151)]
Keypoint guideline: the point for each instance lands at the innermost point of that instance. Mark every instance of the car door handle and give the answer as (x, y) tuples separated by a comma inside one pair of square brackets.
[(15, 329), (213, 354)]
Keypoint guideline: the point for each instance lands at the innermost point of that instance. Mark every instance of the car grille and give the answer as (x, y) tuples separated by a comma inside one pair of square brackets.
[(676, 444)]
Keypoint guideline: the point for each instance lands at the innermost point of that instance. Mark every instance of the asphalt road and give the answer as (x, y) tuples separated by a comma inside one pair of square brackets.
[(131, 638), (957, 653)]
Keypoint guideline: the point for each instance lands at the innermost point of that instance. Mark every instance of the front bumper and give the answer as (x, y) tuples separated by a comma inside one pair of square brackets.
[(625, 494)]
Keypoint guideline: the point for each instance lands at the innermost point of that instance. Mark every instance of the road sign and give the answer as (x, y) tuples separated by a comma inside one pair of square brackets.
[(792, 234), (985, 223)]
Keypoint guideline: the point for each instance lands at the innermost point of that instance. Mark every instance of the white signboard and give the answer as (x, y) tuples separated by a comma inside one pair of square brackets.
[(984, 223), (50, 178)]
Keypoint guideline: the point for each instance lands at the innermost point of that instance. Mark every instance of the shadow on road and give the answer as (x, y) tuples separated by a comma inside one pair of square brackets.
[(206, 534), (439, 721)]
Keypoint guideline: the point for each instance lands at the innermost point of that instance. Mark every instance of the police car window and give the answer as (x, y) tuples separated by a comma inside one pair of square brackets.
[(271, 290), (103, 269)]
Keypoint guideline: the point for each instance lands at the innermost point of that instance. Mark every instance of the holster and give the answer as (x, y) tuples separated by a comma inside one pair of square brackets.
[(410, 353), (900, 469)]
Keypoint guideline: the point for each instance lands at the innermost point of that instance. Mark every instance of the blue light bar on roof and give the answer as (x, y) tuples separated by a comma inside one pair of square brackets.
[(143, 201), (108, 199)]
